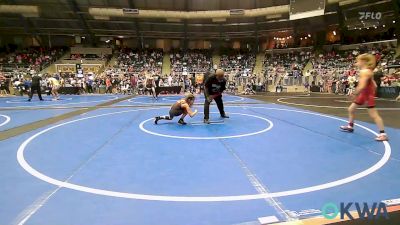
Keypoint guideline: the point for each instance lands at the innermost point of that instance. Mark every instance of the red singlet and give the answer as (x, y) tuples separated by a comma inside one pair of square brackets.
[(367, 95)]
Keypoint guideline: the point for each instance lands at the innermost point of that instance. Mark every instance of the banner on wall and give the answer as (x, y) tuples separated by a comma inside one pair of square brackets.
[(79, 69)]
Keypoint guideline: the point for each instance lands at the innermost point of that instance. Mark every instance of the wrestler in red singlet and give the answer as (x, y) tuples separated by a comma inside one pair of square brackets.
[(365, 95)]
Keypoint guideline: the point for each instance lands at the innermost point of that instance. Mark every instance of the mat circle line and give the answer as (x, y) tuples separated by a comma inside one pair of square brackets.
[(27, 167), (141, 126), (8, 119)]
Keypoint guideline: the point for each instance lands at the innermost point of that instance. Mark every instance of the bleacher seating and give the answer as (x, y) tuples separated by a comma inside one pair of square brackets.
[(238, 61), (136, 61), (190, 61)]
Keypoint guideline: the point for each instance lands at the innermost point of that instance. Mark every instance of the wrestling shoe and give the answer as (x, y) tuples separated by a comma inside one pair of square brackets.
[(156, 120), (206, 121), (181, 122), (347, 128), (382, 137)]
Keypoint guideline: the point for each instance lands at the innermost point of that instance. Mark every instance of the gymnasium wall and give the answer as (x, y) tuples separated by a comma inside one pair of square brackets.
[(264, 43), (168, 44)]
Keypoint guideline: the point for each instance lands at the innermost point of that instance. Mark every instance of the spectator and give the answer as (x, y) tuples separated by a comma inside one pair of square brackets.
[(108, 85)]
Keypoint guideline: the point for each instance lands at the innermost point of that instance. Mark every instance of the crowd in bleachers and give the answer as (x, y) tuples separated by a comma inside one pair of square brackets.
[(338, 74), (131, 70), (332, 71), (190, 61), (279, 67), (35, 58), (237, 61), (332, 64), (137, 61), (17, 65)]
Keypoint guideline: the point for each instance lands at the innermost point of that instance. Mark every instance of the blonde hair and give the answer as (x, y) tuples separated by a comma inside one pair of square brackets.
[(190, 96), (368, 59)]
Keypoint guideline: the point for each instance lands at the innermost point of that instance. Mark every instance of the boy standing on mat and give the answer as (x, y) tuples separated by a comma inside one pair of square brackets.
[(55, 85), (181, 107), (365, 94), (213, 88), (150, 86)]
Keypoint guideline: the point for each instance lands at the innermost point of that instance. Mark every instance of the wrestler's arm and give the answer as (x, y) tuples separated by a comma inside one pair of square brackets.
[(188, 110)]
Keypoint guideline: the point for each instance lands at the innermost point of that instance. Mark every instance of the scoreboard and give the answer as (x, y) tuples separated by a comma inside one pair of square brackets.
[(300, 9)]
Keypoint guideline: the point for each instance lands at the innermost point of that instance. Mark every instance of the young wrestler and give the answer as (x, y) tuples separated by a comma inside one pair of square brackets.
[(365, 94), (55, 85), (181, 107), (150, 86)]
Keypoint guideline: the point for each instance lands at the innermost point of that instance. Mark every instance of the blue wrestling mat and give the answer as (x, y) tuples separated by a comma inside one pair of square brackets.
[(115, 166)]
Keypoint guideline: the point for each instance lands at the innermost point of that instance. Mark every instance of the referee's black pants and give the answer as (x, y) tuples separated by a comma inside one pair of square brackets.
[(37, 89), (220, 105)]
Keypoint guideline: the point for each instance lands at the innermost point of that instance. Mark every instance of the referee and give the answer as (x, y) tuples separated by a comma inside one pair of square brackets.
[(213, 88), (35, 86)]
